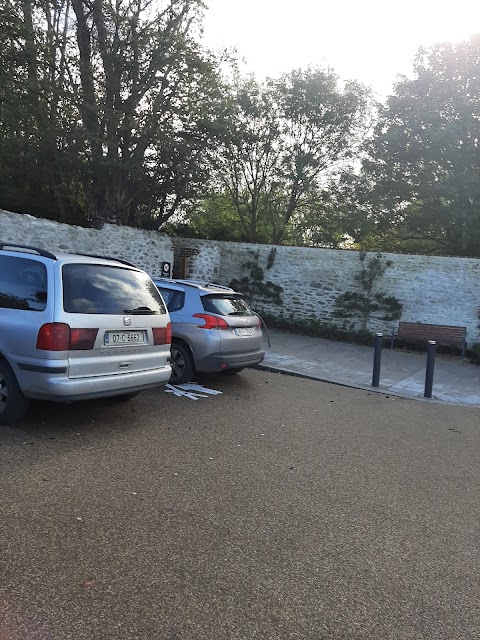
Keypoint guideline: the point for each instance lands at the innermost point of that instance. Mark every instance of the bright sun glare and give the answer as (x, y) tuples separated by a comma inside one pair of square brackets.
[(370, 41)]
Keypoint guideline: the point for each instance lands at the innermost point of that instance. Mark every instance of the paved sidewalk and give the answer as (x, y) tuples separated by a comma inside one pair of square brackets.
[(402, 373)]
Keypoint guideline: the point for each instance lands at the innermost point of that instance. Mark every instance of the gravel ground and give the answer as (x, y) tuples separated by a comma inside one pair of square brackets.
[(282, 509)]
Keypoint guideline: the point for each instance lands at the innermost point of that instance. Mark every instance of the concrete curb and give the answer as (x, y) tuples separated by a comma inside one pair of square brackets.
[(385, 392)]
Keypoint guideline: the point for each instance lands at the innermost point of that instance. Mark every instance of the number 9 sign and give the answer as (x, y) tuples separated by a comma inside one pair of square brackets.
[(166, 269)]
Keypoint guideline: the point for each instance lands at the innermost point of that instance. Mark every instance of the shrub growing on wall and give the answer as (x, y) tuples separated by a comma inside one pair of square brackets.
[(254, 286), (359, 305)]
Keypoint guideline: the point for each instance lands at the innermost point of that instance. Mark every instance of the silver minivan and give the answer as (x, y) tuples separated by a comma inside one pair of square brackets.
[(76, 327)]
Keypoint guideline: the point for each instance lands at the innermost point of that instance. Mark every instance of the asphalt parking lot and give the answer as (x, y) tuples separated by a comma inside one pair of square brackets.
[(283, 508)]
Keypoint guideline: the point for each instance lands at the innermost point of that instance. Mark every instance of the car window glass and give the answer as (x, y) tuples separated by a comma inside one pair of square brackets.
[(226, 305), (96, 288), (23, 284), (173, 299)]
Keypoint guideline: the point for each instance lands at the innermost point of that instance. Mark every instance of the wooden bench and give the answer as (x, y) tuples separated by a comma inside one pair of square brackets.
[(450, 336)]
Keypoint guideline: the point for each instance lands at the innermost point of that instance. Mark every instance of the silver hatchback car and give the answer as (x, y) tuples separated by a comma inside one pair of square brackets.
[(213, 329), (74, 327)]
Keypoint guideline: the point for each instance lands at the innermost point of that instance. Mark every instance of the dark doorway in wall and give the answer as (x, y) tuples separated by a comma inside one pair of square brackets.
[(181, 270), (182, 261)]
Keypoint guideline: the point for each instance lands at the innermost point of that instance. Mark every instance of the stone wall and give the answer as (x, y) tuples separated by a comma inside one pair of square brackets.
[(146, 249), (432, 289), (438, 290)]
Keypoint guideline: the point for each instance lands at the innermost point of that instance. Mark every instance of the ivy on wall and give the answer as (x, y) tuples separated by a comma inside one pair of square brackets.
[(254, 286), (361, 304)]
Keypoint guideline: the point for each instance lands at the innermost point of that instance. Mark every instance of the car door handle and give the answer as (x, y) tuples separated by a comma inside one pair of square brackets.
[(125, 365)]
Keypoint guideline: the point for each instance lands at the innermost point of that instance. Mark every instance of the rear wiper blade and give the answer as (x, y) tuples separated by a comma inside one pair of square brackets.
[(139, 310)]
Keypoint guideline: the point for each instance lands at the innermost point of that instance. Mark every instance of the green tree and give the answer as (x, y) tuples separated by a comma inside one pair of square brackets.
[(149, 100), (425, 158), (110, 106), (213, 219), (39, 157), (246, 164), (323, 127), (288, 137)]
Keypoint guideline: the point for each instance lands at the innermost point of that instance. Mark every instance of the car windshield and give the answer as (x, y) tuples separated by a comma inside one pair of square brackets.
[(104, 289), (226, 305)]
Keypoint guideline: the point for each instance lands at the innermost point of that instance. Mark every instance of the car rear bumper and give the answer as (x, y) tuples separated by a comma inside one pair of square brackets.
[(58, 387), (222, 361)]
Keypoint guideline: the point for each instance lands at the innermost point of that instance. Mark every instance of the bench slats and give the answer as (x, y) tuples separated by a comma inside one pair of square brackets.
[(443, 334)]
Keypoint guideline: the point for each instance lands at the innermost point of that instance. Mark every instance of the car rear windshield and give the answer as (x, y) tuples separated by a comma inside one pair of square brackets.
[(23, 284), (97, 288), (226, 305)]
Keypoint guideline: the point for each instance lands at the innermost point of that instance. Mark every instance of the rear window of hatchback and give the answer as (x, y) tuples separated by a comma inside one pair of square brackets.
[(226, 305), (105, 289)]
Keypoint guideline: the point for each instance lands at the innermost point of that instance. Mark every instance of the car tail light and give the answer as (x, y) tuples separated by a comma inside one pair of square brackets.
[(82, 339), (211, 322), (162, 335), (54, 336), (57, 336)]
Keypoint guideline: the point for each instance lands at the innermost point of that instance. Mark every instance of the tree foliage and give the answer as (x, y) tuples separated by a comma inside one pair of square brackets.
[(287, 137), (119, 106), (214, 218), (425, 158), (38, 148), (111, 110)]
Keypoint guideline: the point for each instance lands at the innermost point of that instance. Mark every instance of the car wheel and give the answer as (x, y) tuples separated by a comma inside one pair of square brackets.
[(182, 364), (13, 404), (232, 372)]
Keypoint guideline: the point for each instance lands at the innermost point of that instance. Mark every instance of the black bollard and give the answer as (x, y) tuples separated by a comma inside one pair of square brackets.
[(377, 358), (431, 348)]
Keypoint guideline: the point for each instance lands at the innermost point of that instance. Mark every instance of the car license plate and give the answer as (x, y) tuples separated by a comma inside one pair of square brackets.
[(124, 337), (245, 331)]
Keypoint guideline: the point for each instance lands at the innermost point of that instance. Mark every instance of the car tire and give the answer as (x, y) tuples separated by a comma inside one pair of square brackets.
[(182, 364), (232, 372), (13, 404)]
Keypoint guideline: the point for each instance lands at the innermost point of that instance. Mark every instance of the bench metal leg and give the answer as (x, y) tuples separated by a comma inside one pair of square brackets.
[(392, 339)]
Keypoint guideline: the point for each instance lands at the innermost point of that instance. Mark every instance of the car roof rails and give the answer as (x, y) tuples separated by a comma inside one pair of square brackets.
[(94, 255), (210, 283), (12, 246), (193, 283), (217, 286)]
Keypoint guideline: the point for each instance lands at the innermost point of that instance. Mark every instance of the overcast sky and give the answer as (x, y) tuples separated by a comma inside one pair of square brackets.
[(367, 40)]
